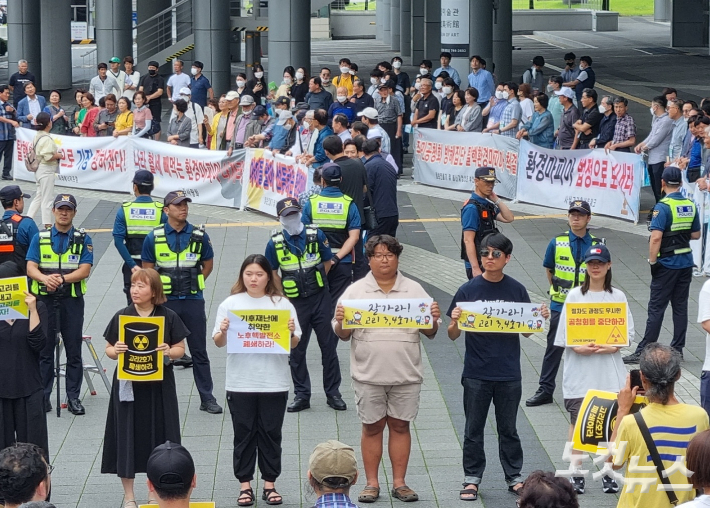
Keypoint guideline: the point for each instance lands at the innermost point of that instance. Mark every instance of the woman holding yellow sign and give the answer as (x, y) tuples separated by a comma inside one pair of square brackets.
[(596, 364), (259, 326), (141, 414)]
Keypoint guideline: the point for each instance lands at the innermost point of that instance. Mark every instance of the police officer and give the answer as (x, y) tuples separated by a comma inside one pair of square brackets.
[(134, 220), (183, 256), (59, 262), (564, 261), (302, 254), (674, 222), (478, 218), (337, 216), (16, 232)]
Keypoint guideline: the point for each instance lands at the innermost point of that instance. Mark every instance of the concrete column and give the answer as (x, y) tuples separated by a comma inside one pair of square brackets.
[(212, 40), (432, 30), (114, 33), (56, 44), (386, 21), (502, 42), (480, 30), (379, 27), (417, 31), (661, 10), (405, 28), (289, 36), (395, 21), (23, 36)]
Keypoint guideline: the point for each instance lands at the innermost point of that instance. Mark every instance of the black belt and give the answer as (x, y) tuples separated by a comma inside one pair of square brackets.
[(238, 145)]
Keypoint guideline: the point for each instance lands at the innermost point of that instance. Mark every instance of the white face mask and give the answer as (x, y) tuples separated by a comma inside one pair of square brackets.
[(342, 98), (351, 72), (194, 71), (602, 110), (240, 83), (438, 85), (423, 71), (447, 90), (549, 88), (499, 94), (344, 70), (417, 86), (397, 64), (383, 80), (534, 72), (292, 223), (325, 80), (258, 75), (374, 81), (505, 95), (651, 110), (299, 75), (288, 81)]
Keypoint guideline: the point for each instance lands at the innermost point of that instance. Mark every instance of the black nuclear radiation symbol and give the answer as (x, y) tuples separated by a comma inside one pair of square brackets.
[(140, 342)]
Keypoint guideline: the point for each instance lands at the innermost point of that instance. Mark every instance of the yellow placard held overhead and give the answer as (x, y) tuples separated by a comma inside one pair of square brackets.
[(605, 324), (142, 335), (12, 298), (259, 331)]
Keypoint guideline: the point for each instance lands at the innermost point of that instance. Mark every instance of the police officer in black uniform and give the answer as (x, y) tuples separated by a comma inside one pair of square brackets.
[(478, 218), (16, 232)]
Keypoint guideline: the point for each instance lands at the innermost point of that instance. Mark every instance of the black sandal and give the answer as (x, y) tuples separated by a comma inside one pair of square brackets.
[(517, 491), (266, 496), (247, 501), (468, 492)]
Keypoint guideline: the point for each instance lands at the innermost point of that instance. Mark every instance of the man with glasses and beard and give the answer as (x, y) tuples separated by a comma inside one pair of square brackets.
[(25, 475)]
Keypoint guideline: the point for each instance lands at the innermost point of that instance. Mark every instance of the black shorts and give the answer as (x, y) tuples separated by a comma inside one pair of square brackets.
[(572, 406)]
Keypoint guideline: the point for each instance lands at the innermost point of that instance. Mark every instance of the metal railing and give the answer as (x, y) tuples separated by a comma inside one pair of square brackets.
[(164, 29), (594, 5)]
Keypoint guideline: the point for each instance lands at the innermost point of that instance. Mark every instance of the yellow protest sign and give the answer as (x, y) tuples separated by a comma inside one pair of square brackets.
[(605, 324), (142, 335), (388, 313), (500, 317), (597, 419), (259, 331), (12, 298)]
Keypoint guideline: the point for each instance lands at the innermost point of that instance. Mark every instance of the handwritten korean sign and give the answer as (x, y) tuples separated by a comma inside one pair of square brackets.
[(142, 335), (259, 331), (12, 298), (501, 317), (605, 324), (388, 313)]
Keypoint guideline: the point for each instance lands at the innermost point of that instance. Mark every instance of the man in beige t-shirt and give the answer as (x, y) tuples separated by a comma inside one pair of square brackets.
[(386, 367)]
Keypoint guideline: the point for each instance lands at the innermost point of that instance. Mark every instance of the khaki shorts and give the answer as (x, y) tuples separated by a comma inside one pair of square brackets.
[(374, 402)]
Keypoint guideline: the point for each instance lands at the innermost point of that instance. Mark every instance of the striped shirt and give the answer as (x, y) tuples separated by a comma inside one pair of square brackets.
[(7, 131), (512, 111), (625, 129)]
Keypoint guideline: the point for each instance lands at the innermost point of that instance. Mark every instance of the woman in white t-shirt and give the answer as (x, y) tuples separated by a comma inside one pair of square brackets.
[(697, 457), (592, 366), (257, 383)]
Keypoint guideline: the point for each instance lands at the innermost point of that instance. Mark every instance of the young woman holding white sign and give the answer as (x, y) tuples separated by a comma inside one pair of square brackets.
[(257, 383), (592, 366)]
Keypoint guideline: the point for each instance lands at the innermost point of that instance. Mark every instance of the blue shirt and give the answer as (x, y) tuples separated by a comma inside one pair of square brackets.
[(578, 246), (453, 74), (696, 154), (199, 88), (318, 151), (470, 221), (662, 221), (177, 242), (119, 231), (26, 231), (541, 129), (353, 220), (483, 82), (296, 245), (7, 131), (347, 108), (60, 244), (334, 500)]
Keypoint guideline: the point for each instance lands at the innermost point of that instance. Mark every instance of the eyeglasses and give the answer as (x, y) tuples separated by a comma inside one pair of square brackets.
[(380, 257), (495, 253)]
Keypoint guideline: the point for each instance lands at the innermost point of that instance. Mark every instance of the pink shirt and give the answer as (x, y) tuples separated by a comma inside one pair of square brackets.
[(140, 116), (230, 124)]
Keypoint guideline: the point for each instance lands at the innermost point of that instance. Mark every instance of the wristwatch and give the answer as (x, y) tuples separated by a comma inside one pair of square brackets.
[(652, 263)]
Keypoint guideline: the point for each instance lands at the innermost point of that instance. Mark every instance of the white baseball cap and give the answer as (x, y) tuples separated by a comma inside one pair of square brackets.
[(370, 113), (566, 91), (185, 91), (284, 116)]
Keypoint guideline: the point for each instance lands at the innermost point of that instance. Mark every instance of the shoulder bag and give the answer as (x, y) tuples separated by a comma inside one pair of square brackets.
[(369, 221), (655, 456), (31, 159)]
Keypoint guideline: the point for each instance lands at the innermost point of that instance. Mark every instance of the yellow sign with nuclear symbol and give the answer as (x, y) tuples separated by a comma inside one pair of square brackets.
[(142, 335)]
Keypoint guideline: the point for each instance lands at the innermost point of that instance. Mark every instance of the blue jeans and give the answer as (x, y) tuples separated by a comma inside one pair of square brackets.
[(477, 397)]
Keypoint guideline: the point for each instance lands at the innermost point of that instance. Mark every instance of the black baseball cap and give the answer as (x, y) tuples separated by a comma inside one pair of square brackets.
[(12, 192), (153, 63), (597, 252), (259, 111), (580, 206), (283, 100), (287, 205), (176, 197), (487, 174), (672, 175), (331, 172), (143, 177), (170, 467), (65, 200)]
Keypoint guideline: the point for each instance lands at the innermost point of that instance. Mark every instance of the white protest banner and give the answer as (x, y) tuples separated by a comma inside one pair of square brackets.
[(609, 182), (259, 331), (107, 163), (271, 178), (501, 317), (450, 158), (388, 313)]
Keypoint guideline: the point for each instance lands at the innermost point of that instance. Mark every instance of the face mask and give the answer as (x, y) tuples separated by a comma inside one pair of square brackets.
[(499, 94), (342, 98), (374, 81), (351, 72), (505, 95), (387, 100), (288, 81), (396, 65), (299, 75), (651, 110), (423, 71), (534, 72), (240, 83), (152, 72), (383, 80), (438, 85), (602, 110), (344, 70), (193, 71), (258, 75), (447, 90), (325, 80), (549, 89), (292, 223), (417, 86)]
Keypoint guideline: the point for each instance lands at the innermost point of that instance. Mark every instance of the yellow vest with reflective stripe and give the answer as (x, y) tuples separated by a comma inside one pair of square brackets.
[(300, 276), (50, 262), (676, 240), (180, 272), (141, 219), (330, 215), (566, 270)]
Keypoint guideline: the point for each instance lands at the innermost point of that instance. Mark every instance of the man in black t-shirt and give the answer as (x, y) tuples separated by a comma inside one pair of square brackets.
[(427, 109), (153, 85), (491, 370), (18, 80), (587, 127)]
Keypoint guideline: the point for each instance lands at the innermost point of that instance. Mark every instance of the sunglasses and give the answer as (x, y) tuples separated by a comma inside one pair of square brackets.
[(495, 253)]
